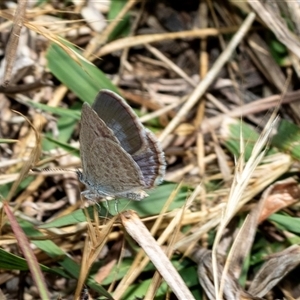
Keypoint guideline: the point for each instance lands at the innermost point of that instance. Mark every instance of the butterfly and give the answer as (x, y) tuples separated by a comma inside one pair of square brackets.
[(120, 157)]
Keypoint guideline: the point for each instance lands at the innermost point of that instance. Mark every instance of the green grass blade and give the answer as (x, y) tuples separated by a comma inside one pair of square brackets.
[(84, 79)]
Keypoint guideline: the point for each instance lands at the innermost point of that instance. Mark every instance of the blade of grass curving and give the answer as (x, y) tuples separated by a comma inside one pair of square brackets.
[(48, 34), (33, 265), (62, 112), (84, 79), (9, 261), (62, 145), (66, 126), (31, 161)]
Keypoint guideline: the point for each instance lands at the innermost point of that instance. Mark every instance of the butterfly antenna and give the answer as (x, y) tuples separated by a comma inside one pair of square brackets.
[(53, 171)]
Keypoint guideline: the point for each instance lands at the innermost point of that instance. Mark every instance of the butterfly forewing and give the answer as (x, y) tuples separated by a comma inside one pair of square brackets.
[(120, 118), (91, 127)]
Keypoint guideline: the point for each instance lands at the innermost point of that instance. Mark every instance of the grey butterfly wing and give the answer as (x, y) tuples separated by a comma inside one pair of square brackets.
[(119, 156), (109, 171), (91, 127), (151, 162), (121, 119)]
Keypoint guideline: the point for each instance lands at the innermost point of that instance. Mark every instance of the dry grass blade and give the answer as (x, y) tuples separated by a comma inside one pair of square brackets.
[(264, 61), (232, 288), (141, 260), (243, 243), (138, 231), (161, 111), (151, 38), (250, 108), (285, 190), (49, 36), (210, 76), (241, 180), (276, 24), (245, 238), (100, 39), (139, 263), (34, 156), (12, 45), (28, 254), (169, 63), (274, 270), (94, 243), (279, 164)]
